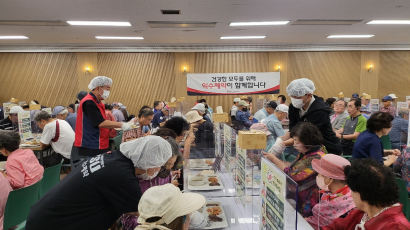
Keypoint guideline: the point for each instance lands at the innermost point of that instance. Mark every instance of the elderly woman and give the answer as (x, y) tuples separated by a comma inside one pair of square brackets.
[(336, 200), (308, 142), (94, 195), (165, 207), (369, 145), (375, 195), (22, 167)]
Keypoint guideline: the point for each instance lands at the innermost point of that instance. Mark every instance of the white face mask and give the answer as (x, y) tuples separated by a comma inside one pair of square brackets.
[(278, 102), (105, 95), (297, 103), (145, 176), (320, 181)]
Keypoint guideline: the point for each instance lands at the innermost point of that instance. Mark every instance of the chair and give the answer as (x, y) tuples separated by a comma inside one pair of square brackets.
[(403, 197), (19, 203), (51, 177)]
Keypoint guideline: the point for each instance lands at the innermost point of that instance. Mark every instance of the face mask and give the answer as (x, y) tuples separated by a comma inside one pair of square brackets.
[(278, 102), (297, 103), (105, 95), (145, 176), (320, 181), (245, 109)]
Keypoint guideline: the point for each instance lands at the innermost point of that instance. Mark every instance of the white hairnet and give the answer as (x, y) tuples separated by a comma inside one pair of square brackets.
[(99, 81), (300, 87), (147, 152)]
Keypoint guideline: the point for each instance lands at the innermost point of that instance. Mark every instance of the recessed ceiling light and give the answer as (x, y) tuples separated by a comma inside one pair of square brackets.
[(98, 23), (389, 22), (14, 37), (270, 23), (243, 37), (351, 36), (118, 38)]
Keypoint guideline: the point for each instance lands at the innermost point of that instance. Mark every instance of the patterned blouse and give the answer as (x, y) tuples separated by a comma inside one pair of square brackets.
[(303, 174)]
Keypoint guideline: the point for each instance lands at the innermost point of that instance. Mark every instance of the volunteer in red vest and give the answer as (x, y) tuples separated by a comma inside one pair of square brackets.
[(92, 127)]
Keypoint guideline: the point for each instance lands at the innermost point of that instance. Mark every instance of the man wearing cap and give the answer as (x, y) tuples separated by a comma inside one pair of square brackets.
[(273, 121), (11, 122), (243, 116), (57, 133), (160, 117), (92, 127), (62, 113), (336, 200), (306, 107), (393, 96), (234, 108), (354, 124), (387, 106)]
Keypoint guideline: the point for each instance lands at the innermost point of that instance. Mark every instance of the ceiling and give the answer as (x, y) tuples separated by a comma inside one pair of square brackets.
[(138, 12)]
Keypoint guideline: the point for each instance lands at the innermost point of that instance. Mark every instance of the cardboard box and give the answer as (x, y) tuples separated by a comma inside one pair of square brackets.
[(251, 140), (34, 107), (220, 117), (172, 104)]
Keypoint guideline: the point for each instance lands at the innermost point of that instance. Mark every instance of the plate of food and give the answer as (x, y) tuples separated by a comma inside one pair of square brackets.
[(204, 181), (216, 215), (201, 163)]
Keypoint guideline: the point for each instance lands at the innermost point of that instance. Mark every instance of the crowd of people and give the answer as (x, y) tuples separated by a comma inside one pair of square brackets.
[(137, 186)]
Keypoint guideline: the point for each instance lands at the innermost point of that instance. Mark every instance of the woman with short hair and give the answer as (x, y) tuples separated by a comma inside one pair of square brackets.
[(376, 197), (369, 145)]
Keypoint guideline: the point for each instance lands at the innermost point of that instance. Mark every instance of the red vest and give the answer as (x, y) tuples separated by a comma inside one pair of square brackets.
[(87, 135)]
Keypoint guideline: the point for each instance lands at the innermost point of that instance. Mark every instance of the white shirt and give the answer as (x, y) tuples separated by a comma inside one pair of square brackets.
[(65, 141)]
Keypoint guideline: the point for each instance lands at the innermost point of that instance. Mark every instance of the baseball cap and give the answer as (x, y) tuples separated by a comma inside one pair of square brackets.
[(193, 116), (282, 108), (236, 99), (387, 98), (392, 95), (58, 109), (366, 96), (243, 103), (168, 202), (355, 95), (331, 165), (272, 105)]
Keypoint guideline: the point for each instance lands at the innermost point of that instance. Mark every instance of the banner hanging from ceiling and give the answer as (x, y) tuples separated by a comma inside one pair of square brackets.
[(233, 83)]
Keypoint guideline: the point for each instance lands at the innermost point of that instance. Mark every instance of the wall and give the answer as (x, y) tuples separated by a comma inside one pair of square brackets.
[(140, 78)]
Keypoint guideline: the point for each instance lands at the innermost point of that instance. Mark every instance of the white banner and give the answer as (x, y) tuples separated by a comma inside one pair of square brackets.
[(233, 83)]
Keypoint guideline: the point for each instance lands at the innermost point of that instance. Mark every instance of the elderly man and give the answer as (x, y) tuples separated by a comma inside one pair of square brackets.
[(387, 106), (62, 113), (366, 100), (400, 128), (92, 127), (306, 107), (354, 124), (11, 122), (160, 117), (116, 111), (57, 133), (243, 116), (201, 109), (281, 99), (338, 118), (273, 121), (262, 113), (234, 108)]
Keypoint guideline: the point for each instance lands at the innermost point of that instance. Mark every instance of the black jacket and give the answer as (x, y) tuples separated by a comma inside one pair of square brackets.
[(317, 114)]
